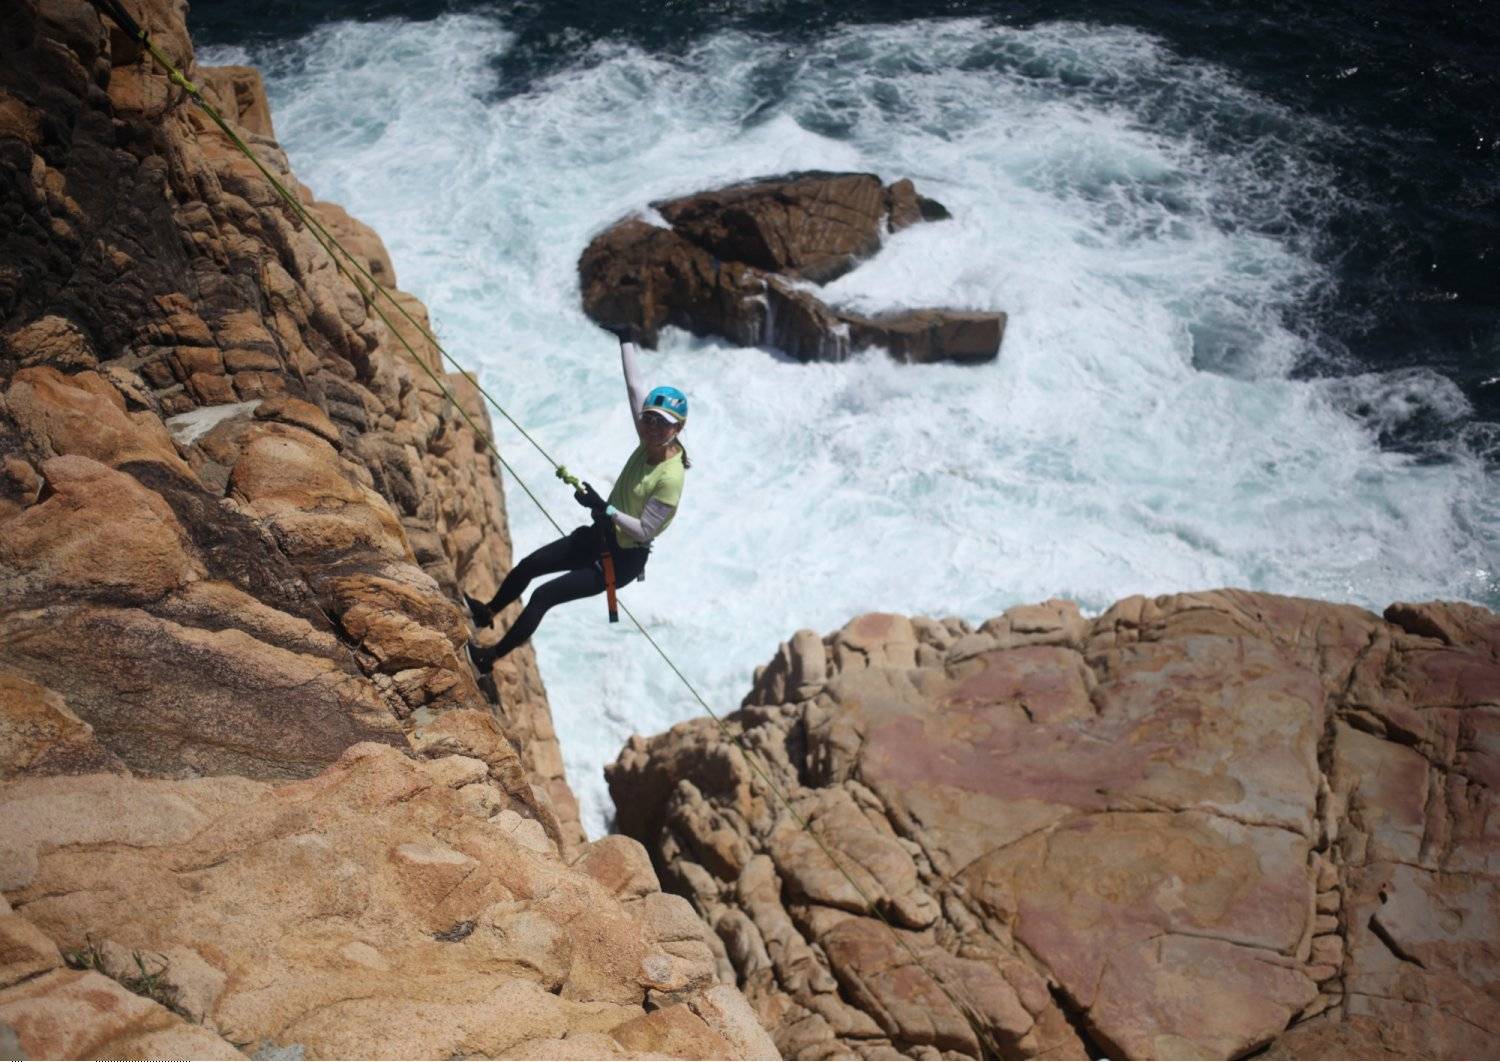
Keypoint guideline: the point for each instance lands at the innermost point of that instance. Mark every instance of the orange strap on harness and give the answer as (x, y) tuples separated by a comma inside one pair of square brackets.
[(607, 561)]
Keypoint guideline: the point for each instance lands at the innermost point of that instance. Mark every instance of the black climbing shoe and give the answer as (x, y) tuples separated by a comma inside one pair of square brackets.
[(482, 657), (479, 612)]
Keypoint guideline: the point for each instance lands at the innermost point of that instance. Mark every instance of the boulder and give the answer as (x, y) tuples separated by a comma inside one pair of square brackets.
[(640, 273), (83, 414), (905, 207), (812, 226), (1195, 825), (931, 335), (53, 341), (738, 263)]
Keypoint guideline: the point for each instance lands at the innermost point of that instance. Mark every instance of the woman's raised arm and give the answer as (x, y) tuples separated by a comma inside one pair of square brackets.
[(634, 389)]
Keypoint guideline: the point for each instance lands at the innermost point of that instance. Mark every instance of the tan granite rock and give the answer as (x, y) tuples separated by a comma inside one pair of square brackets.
[(51, 340), (25, 951), (674, 1031), (1180, 829), (726, 1011), (620, 864), (239, 93), (380, 909), (213, 454), (83, 415), (82, 1014), (99, 533), (39, 734), (815, 226)]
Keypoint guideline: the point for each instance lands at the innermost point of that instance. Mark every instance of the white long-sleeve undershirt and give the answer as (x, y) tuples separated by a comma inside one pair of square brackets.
[(653, 518)]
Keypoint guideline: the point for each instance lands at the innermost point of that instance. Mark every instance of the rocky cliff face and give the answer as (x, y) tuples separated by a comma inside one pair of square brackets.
[(249, 789), (1194, 826), (223, 479)]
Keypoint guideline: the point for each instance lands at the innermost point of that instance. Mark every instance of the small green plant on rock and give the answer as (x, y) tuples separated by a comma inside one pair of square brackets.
[(88, 957), (152, 984)]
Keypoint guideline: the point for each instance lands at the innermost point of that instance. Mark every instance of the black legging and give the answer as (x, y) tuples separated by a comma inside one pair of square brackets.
[(576, 553)]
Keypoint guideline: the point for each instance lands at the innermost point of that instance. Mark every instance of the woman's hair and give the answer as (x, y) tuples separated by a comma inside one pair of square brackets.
[(685, 462)]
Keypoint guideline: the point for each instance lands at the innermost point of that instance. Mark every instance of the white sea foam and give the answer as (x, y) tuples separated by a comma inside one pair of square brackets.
[(1139, 434)]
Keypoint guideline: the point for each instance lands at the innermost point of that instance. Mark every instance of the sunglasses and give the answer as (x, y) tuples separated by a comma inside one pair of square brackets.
[(657, 420)]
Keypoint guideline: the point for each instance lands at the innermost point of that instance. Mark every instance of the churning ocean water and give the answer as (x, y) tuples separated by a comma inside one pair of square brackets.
[(1251, 261)]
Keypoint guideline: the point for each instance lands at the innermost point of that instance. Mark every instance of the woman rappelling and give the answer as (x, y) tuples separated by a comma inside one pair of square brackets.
[(643, 502)]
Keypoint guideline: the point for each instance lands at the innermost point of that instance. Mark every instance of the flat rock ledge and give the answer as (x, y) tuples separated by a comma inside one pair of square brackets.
[(740, 262), (1203, 825), (385, 908)]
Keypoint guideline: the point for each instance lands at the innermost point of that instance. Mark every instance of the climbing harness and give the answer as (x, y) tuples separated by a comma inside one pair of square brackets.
[(343, 260)]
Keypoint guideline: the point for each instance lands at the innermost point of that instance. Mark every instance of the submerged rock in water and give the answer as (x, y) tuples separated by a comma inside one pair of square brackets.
[(738, 263), (811, 226), (1193, 826)]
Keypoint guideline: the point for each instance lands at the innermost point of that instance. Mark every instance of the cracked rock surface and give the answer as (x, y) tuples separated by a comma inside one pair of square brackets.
[(1196, 826)]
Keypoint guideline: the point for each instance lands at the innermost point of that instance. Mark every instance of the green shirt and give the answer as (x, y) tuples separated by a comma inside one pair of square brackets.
[(639, 482)]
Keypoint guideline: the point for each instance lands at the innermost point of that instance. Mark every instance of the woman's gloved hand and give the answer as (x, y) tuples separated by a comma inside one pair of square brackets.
[(588, 497)]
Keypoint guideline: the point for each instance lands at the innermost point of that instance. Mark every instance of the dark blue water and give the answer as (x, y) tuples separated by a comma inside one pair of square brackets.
[(1412, 89)]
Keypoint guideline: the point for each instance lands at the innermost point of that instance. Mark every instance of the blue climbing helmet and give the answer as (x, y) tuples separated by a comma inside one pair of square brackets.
[(669, 401)]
